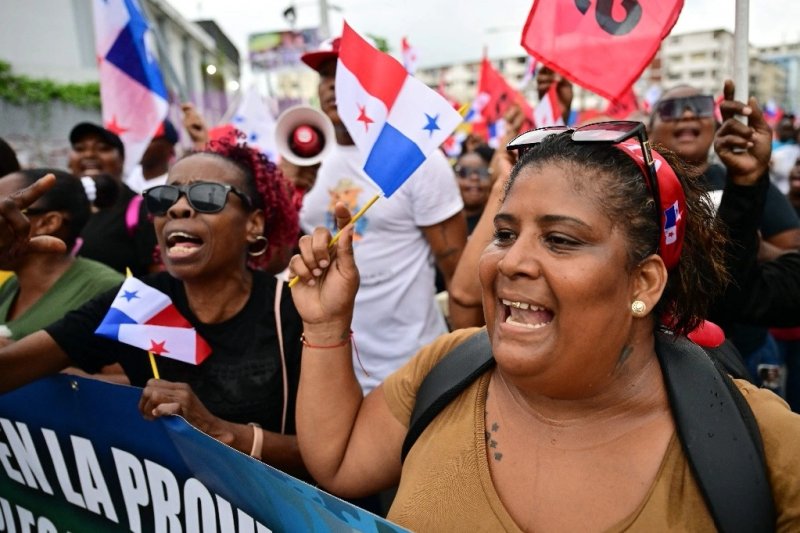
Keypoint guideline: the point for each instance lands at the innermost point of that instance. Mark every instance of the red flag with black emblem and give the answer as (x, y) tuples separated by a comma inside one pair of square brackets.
[(624, 107), (603, 45), (495, 95)]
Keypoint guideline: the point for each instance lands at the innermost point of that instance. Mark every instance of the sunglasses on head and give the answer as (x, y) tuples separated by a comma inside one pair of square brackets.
[(203, 197), (465, 172), (612, 132), (701, 106)]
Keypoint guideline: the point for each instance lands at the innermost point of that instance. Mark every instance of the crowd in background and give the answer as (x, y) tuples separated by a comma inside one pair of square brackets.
[(213, 223)]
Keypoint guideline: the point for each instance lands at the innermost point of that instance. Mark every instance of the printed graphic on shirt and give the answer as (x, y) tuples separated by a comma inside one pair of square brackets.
[(347, 192)]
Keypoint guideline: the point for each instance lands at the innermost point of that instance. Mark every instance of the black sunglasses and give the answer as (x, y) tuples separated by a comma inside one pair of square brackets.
[(465, 172), (701, 105), (612, 132), (203, 196)]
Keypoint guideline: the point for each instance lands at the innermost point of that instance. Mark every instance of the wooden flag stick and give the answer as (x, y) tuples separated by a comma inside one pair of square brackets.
[(335, 238), (152, 357)]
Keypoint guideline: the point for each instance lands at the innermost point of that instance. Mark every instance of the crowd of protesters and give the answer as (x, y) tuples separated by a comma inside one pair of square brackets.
[(214, 225)]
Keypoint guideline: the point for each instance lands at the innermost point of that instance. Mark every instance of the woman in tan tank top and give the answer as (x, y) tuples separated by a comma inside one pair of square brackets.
[(598, 243)]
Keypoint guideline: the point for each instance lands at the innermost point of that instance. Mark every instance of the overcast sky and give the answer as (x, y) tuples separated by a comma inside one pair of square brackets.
[(447, 31)]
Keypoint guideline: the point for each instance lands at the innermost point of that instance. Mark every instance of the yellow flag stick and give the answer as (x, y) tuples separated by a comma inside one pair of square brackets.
[(153, 365), (151, 355), (335, 238)]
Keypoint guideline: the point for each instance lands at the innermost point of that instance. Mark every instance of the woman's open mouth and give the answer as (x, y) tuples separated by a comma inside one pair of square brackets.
[(526, 315), (182, 244)]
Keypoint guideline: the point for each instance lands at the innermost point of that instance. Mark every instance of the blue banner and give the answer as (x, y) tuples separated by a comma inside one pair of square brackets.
[(76, 455)]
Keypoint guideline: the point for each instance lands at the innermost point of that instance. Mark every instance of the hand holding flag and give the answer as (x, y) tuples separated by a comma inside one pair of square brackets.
[(394, 119), (145, 317)]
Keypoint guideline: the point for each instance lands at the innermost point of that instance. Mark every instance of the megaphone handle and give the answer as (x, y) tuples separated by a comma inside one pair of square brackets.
[(335, 238)]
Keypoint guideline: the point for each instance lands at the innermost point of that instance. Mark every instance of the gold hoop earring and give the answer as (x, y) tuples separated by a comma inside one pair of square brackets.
[(260, 252), (638, 308)]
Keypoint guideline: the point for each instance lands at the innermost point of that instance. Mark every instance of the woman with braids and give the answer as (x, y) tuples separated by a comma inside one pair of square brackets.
[(221, 209), (603, 257)]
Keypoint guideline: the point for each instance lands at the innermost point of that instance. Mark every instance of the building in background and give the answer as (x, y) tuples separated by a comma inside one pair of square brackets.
[(787, 56), (703, 59), (54, 39)]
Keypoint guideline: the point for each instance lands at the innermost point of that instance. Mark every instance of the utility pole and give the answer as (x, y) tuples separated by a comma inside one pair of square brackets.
[(741, 51), (324, 24)]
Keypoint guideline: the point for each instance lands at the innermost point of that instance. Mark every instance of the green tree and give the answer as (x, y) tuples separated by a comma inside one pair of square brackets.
[(22, 90), (381, 43)]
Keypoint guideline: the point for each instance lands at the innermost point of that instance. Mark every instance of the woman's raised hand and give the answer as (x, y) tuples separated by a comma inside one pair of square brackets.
[(328, 277), (15, 239)]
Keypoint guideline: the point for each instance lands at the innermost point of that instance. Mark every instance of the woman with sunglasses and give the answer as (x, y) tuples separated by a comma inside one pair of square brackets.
[(220, 208), (683, 121), (474, 181), (603, 253)]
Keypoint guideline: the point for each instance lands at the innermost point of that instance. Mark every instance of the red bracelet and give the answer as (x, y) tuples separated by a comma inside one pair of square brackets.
[(340, 345), (321, 347)]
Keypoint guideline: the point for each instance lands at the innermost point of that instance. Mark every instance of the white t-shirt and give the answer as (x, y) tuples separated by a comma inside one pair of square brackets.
[(781, 163), (395, 311), (135, 180)]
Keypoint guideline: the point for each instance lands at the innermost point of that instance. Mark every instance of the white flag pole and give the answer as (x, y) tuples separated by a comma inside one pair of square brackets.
[(741, 51)]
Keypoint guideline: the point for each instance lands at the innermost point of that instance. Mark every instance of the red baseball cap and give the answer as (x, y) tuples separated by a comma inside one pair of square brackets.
[(328, 49)]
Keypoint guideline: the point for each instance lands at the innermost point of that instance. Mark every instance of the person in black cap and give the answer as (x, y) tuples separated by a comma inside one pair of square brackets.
[(120, 236), (152, 169)]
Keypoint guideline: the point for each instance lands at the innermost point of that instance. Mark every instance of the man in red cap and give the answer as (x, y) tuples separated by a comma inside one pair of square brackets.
[(395, 311)]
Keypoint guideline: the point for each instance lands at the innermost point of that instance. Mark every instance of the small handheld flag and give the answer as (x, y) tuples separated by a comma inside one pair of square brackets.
[(145, 317), (395, 120)]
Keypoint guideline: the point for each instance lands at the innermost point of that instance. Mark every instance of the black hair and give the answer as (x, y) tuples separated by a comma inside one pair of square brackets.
[(67, 195), (700, 275), (486, 152), (8, 159)]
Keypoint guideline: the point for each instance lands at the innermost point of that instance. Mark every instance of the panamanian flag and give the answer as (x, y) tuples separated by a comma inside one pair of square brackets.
[(672, 215), (394, 119), (254, 118), (410, 56), (132, 92), (145, 317)]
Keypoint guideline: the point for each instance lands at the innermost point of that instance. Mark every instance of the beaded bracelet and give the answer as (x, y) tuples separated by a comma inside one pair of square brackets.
[(321, 347)]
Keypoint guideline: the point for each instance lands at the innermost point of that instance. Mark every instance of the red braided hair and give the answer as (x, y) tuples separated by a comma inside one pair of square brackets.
[(268, 190)]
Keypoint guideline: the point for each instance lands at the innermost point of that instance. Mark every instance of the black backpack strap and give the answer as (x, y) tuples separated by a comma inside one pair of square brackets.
[(451, 375), (731, 360), (725, 455)]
